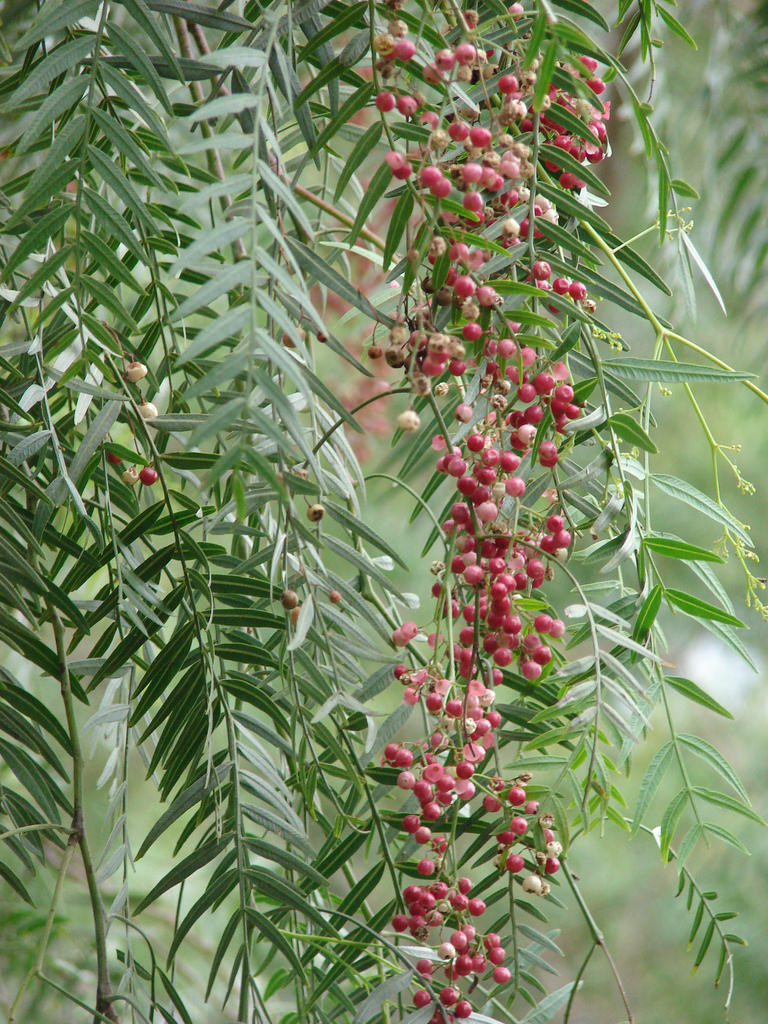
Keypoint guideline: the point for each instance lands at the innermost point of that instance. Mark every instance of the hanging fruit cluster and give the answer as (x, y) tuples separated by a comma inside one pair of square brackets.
[(484, 230)]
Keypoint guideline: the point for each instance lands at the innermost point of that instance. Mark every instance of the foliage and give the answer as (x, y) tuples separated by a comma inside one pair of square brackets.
[(189, 197)]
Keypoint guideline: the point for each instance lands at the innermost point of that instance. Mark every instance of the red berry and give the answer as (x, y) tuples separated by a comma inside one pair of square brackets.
[(114, 459), (449, 995), (479, 136), (514, 863), (421, 998), (400, 922), (463, 1009), (431, 811), (548, 455), (385, 101), (458, 131), (516, 796), (458, 901), (426, 866), (479, 963), (434, 702), (476, 906)]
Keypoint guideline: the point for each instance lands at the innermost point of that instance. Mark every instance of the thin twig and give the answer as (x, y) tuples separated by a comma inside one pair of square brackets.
[(599, 939)]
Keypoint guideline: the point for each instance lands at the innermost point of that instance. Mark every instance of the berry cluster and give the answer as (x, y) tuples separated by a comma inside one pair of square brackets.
[(484, 233), (147, 475)]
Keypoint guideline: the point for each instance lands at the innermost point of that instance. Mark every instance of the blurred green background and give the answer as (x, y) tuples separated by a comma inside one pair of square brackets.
[(705, 103)]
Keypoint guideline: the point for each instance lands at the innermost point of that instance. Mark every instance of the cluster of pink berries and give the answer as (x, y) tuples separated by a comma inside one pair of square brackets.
[(447, 904), (476, 173)]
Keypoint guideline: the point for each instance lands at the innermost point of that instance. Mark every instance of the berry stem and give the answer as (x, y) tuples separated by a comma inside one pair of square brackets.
[(598, 937)]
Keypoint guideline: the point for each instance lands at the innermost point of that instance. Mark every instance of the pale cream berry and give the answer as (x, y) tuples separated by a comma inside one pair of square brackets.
[(408, 421), (135, 372), (532, 884), (148, 411), (384, 44), (130, 476)]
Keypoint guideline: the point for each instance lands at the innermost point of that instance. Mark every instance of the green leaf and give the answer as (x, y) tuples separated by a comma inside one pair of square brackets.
[(324, 273), (141, 14), (15, 883), (674, 548), (704, 505), (549, 1006), (666, 372), (377, 186), (670, 820), (397, 225), (359, 99), (715, 760), (363, 147), (684, 189), (67, 95), (538, 33), (189, 798), (712, 796), (647, 614), (266, 929), (628, 429), (386, 992), (705, 942), (184, 869), (51, 18), (651, 782), (686, 848), (97, 431), (695, 693), (120, 186), (544, 76), (584, 10), (63, 58), (200, 15), (360, 529), (126, 144), (671, 21), (132, 49), (700, 609), (352, 15), (694, 254)]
